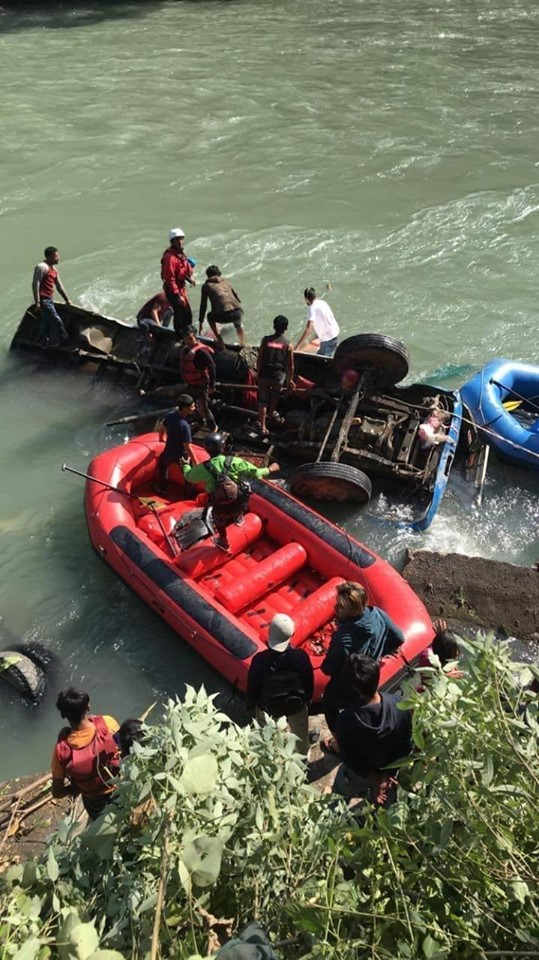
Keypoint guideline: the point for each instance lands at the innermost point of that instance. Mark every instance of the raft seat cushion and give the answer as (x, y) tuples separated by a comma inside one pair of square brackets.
[(205, 556), (265, 576), (149, 524), (315, 611)]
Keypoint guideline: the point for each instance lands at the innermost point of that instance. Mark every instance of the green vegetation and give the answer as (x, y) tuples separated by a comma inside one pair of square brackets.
[(214, 827)]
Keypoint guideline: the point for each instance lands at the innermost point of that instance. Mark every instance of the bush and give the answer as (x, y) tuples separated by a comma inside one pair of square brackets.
[(214, 826)]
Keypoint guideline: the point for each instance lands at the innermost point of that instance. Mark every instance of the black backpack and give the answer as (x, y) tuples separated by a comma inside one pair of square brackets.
[(226, 489), (282, 693)]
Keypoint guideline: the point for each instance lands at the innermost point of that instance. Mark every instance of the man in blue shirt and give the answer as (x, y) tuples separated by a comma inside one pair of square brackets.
[(177, 430)]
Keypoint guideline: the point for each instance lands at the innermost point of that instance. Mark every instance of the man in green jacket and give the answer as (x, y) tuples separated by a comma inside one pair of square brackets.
[(223, 478)]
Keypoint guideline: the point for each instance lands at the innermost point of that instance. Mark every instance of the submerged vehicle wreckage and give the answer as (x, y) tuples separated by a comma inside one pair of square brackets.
[(345, 423)]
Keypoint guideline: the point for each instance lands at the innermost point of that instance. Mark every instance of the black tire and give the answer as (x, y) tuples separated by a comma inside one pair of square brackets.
[(384, 357), (330, 481), (38, 653), (22, 674)]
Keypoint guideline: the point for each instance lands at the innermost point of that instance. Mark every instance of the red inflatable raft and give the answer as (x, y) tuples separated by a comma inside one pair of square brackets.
[(285, 558)]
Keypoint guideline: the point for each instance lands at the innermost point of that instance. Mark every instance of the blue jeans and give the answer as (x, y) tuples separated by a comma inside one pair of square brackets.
[(148, 323), (327, 347), (52, 327)]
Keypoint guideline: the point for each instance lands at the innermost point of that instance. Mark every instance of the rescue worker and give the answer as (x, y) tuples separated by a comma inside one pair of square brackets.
[(275, 368), (225, 304), (176, 272), (281, 681), (320, 323), (197, 370), (86, 753), (45, 281), (222, 477), (156, 312), (177, 430)]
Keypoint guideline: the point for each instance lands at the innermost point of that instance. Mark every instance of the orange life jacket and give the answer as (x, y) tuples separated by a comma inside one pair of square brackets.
[(188, 370), (90, 768)]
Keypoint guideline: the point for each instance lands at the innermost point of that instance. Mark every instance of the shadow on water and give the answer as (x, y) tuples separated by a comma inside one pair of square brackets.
[(35, 13)]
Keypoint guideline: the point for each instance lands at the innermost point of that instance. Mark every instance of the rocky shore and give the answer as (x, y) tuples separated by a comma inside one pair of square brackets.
[(472, 590)]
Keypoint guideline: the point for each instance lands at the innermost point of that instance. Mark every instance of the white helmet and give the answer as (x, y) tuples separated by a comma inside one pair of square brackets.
[(176, 232)]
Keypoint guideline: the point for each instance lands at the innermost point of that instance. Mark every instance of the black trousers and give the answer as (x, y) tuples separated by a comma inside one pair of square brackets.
[(223, 514), (165, 461), (183, 315), (338, 695)]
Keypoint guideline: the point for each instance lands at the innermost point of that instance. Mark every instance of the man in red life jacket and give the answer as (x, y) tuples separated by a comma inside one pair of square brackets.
[(86, 753), (44, 282), (197, 370), (275, 367), (176, 272)]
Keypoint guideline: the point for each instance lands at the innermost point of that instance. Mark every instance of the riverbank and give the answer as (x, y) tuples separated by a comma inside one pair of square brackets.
[(468, 592), (29, 814), (485, 593)]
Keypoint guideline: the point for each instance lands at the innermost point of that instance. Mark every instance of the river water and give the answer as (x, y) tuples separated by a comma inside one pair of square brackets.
[(388, 148)]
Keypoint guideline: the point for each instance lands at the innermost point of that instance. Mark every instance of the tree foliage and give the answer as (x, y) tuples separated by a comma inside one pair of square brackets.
[(214, 826)]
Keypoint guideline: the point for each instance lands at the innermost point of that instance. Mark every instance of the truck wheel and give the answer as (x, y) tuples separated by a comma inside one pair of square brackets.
[(330, 481), (384, 357), (22, 674)]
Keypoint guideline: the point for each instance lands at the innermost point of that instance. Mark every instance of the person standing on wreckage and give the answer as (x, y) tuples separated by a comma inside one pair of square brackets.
[(44, 282), (320, 323), (197, 370), (176, 272)]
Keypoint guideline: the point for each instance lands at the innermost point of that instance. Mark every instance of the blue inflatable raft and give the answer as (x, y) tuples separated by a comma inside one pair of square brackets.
[(504, 397)]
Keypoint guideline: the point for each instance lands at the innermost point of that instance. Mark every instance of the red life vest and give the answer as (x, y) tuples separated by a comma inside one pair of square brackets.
[(190, 373), (46, 287), (89, 768)]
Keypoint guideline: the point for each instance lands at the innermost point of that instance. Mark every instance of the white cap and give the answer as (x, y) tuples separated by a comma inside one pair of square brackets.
[(175, 232), (281, 629)]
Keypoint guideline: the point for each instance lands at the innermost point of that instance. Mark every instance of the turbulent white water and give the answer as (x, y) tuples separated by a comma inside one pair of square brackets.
[(390, 149)]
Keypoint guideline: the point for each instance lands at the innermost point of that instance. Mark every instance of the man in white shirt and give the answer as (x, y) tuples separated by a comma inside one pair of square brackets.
[(320, 323)]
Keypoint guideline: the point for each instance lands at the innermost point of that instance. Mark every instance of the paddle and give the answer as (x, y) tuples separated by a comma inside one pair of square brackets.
[(526, 400), (146, 501), (141, 416)]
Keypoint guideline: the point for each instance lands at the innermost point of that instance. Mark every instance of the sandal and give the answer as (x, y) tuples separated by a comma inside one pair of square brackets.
[(330, 745)]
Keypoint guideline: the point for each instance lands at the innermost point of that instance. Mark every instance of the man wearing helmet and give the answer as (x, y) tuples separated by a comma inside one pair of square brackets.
[(176, 272), (223, 478)]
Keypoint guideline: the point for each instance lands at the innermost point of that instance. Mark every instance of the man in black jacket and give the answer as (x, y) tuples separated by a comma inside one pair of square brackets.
[(372, 734), (281, 681)]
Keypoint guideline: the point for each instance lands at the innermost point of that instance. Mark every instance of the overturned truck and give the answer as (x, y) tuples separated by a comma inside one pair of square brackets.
[(346, 423)]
